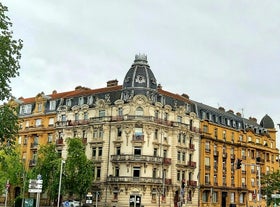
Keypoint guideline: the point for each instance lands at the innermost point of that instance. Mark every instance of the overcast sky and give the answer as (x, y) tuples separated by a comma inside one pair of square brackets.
[(221, 53)]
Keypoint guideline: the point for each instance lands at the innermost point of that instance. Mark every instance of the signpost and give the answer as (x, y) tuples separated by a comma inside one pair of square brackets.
[(35, 186)]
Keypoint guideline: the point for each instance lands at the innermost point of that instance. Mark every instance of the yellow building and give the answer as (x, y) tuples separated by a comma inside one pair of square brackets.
[(226, 138)]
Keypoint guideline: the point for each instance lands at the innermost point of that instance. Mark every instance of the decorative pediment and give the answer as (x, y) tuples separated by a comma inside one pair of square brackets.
[(140, 99)]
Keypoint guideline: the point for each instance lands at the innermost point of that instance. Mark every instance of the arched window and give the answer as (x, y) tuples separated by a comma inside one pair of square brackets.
[(139, 111)]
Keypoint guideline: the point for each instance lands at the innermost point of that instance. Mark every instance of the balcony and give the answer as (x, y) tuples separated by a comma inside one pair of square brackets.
[(138, 138), (61, 124), (168, 181), (59, 142), (191, 146), (137, 158), (166, 161), (216, 153), (34, 146), (84, 140), (224, 155), (134, 180), (117, 118), (97, 159), (192, 164), (32, 163), (192, 183), (77, 122)]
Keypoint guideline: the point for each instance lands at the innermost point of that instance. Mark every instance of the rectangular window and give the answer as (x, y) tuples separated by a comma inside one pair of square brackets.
[(156, 114), (119, 131), (98, 172), (136, 172), (232, 197), (178, 156), (137, 151), (183, 156), (40, 106), (50, 138), (26, 124), (68, 102), (95, 134), (76, 116), (81, 100), (99, 151), (138, 133), (178, 175), (63, 117), (93, 152), (89, 100), (155, 152), (85, 116), (118, 150), (52, 105), (215, 197), (207, 178), (51, 121), (154, 172), (84, 134), (38, 122), (101, 113), (117, 172), (179, 119), (207, 161), (156, 133), (120, 111), (205, 196)]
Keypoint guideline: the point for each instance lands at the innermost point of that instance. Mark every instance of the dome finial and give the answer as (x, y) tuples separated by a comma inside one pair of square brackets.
[(141, 58)]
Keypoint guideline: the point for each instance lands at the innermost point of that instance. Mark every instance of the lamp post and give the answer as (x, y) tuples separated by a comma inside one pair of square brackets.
[(60, 178)]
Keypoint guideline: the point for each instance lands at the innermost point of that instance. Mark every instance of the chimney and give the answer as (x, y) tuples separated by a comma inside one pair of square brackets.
[(222, 109), (111, 83), (185, 96)]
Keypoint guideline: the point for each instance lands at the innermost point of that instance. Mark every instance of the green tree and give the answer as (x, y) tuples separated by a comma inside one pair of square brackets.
[(271, 185), (11, 168), (78, 169), (48, 165), (9, 68)]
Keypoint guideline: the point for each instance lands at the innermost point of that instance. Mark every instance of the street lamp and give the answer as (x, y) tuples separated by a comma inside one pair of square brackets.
[(59, 187)]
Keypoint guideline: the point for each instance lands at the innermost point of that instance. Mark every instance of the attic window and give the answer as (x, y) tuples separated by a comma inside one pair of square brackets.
[(52, 105), (25, 109), (81, 100), (89, 100), (68, 102)]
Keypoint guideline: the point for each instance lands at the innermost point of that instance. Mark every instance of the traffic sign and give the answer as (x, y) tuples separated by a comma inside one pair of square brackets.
[(275, 195), (35, 190)]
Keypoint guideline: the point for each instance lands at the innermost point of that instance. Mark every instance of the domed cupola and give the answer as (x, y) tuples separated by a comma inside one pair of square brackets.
[(139, 79), (267, 122)]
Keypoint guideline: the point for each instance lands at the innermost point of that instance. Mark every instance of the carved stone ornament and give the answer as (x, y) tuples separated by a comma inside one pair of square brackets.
[(140, 99), (140, 79)]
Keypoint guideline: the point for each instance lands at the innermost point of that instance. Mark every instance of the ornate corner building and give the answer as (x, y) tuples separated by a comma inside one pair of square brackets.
[(143, 140), (151, 147)]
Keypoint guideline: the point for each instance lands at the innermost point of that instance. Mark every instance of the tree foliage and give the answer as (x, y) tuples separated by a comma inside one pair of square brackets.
[(78, 169), (9, 54), (271, 185), (9, 68), (11, 168), (48, 165), (9, 126)]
